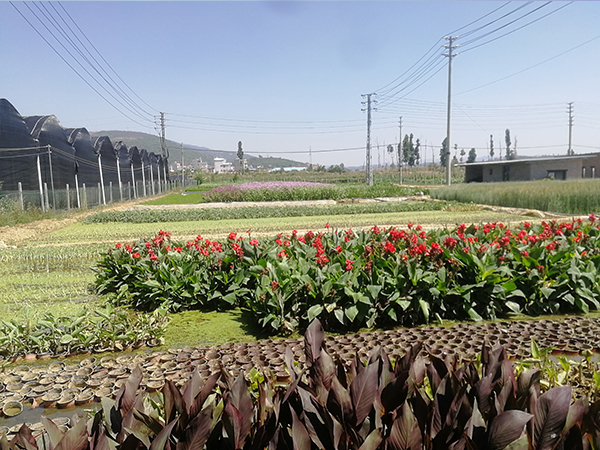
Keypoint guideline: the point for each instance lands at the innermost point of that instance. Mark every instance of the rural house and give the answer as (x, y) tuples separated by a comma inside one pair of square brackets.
[(534, 168)]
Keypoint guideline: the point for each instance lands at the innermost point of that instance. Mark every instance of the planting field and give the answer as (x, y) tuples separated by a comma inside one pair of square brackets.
[(568, 197), (231, 278)]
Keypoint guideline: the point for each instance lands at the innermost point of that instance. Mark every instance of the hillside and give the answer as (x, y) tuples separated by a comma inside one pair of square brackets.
[(190, 152)]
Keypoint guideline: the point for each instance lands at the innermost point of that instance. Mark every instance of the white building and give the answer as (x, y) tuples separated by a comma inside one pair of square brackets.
[(222, 166)]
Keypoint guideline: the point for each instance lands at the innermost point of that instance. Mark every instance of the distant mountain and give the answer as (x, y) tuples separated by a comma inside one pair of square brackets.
[(151, 143)]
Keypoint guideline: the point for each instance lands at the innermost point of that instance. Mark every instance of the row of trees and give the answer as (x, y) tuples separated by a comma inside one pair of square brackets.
[(444, 153), (510, 151)]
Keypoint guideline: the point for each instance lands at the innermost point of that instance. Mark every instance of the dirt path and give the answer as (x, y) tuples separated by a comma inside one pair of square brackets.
[(13, 236)]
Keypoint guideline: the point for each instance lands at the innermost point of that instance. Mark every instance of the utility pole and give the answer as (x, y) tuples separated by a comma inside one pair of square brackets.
[(182, 169), (570, 150), (400, 150), (450, 47), (310, 156), (163, 141), (368, 157)]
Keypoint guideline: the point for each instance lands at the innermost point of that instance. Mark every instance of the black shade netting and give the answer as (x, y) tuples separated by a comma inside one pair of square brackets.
[(104, 147), (48, 132), (122, 152), (88, 170), (18, 150)]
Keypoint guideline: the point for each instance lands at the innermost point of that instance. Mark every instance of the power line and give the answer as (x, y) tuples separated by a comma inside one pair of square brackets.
[(531, 67), (103, 59), (74, 69), (516, 29)]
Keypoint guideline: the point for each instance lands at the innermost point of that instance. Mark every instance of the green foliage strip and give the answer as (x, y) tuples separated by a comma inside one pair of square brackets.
[(352, 279)]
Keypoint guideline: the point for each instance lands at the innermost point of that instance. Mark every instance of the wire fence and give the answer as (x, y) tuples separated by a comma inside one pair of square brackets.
[(85, 196)]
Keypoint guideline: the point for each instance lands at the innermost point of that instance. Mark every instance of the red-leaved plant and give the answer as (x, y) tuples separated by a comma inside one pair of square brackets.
[(385, 402)]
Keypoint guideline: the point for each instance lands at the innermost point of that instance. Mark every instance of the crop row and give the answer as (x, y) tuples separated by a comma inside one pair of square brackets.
[(352, 279), (290, 191), (569, 197), (385, 402), (182, 215)]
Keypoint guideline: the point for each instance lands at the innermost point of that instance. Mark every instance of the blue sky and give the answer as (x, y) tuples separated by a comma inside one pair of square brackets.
[(284, 77)]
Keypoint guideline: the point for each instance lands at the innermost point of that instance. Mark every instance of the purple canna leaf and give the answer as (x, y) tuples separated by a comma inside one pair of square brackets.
[(289, 362), (551, 413), (53, 431), (76, 437), (405, 433), (339, 395), (240, 397), (161, 440), (373, 440), (505, 428), (483, 392), (207, 388), (192, 389), (577, 411), (197, 432), (313, 341), (406, 362), (326, 368), (24, 439), (125, 398), (363, 391), (300, 437), (394, 394), (102, 442), (173, 401)]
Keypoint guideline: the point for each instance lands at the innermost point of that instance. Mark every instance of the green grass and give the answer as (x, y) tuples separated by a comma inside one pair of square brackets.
[(11, 213), (567, 197), (177, 199)]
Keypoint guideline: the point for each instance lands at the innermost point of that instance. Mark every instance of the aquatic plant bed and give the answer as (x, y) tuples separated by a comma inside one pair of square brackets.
[(350, 279), (378, 399), (100, 330), (201, 212)]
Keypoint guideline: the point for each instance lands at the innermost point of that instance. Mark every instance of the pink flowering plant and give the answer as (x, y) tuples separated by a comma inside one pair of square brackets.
[(362, 278)]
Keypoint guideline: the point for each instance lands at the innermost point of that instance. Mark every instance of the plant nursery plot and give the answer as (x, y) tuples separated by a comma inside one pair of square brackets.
[(273, 210), (125, 232), (568, 197), (37, 280)]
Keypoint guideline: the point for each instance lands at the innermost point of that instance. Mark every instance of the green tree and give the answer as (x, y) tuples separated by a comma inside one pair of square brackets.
[(472, 156), (240, 156), (338, 168), (390, 150), (491, 146), (444, 152), (410, 150), (417, 151), (240, 151), (509, 153), (462, 154)]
